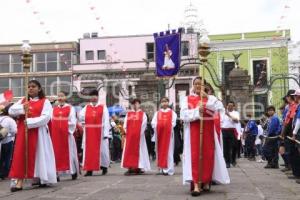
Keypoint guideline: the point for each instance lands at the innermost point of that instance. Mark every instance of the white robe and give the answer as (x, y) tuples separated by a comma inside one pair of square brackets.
[(104, 147), (74, 164), (170, 170), (220, 173), (45, 167), (144, 162)]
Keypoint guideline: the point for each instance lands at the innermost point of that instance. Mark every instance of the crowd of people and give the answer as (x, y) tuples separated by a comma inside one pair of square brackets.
[(43, 141)]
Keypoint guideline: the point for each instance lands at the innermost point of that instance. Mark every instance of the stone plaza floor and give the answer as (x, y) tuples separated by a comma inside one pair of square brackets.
[(249, 181)]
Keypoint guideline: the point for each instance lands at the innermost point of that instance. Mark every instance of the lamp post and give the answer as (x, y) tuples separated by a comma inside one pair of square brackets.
[(26, 60), (204, 51)]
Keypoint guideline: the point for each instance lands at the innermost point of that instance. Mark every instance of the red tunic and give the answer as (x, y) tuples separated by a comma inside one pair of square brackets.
[(163, 130), (93, 134), (133, 135), (17, 169), (60, 137), (208, 145)]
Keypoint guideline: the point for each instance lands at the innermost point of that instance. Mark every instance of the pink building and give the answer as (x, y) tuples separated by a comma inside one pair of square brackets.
[(123, 67)]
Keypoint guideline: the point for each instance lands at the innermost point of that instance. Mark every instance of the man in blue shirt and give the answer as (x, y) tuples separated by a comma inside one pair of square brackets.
[(251, 131), (271, 147)]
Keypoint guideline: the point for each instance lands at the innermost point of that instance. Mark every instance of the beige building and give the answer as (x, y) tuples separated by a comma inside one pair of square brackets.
[(52, 66)]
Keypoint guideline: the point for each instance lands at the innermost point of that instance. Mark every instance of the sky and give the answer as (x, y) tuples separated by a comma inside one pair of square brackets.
[(67, 20)]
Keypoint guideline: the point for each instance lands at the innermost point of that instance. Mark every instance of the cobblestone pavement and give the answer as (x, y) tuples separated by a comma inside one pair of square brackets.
[(249, 181)]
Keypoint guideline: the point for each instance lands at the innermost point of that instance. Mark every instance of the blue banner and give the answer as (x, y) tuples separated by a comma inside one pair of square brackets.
[(167, 53)]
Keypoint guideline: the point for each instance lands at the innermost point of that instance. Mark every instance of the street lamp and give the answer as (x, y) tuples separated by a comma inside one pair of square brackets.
[(204, 49), (26, 60)]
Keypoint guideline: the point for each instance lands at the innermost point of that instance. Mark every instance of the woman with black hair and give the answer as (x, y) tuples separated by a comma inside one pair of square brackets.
[(135, 154), (63, 123), (195, 171), (95, 120), (41, 161)]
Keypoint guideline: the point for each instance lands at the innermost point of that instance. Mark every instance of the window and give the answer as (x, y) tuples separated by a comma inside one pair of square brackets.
[(42, 81), (65, 84), (150, 51), (65, 61), (101, 54), (185, 48), (4, 84), (4, 63), (51, 61), (89, 55), (228, 66), (260, 73), (17, 87), (51, 86), (16, 63), (40, 60)]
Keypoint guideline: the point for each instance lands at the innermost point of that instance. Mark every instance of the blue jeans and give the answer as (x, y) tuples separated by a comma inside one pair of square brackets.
[(5, 159)]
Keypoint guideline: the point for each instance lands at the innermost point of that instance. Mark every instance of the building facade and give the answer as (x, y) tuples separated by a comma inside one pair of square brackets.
[(52, 65), (263, 54), (123, 66)]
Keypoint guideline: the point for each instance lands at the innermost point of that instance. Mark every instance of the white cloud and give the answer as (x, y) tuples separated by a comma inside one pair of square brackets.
[(69, 19)]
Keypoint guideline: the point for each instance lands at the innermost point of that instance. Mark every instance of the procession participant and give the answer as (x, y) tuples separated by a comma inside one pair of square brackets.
[(230, 134), (95, 120), (294, 153), (63, 125), (287, 128), (41, 160), (251, 131), (271, 146), (135, 153), (212, 161), (163, 123), (9, 126)]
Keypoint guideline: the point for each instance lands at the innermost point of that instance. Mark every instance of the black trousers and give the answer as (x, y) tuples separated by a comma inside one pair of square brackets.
[(5, 158), (294, 158), (270, 151), (228, 143), (250, 145)]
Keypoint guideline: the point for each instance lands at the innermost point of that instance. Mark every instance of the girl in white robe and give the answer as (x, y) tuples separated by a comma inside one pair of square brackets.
[(41, 161), (72, 120), (170, 158), (104, 147)]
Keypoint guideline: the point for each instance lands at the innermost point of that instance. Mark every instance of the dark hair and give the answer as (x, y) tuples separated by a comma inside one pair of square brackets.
[(209, 87), (64, 92), (135, 100), (231, 102), (41, 93), (5, 110), (199, 78), (93, 93), (164, 98), (271, 108)]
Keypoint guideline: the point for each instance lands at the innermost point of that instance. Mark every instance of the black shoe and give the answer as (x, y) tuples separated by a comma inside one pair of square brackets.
[(275, 166), (268, 166), (15, 189), (227, 165), (298, 181), (58, 179), (234, 164), (89, 173), (74, 176), (195, 193), (286, 170), (43, 185), (104, 170), (128, 172)]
